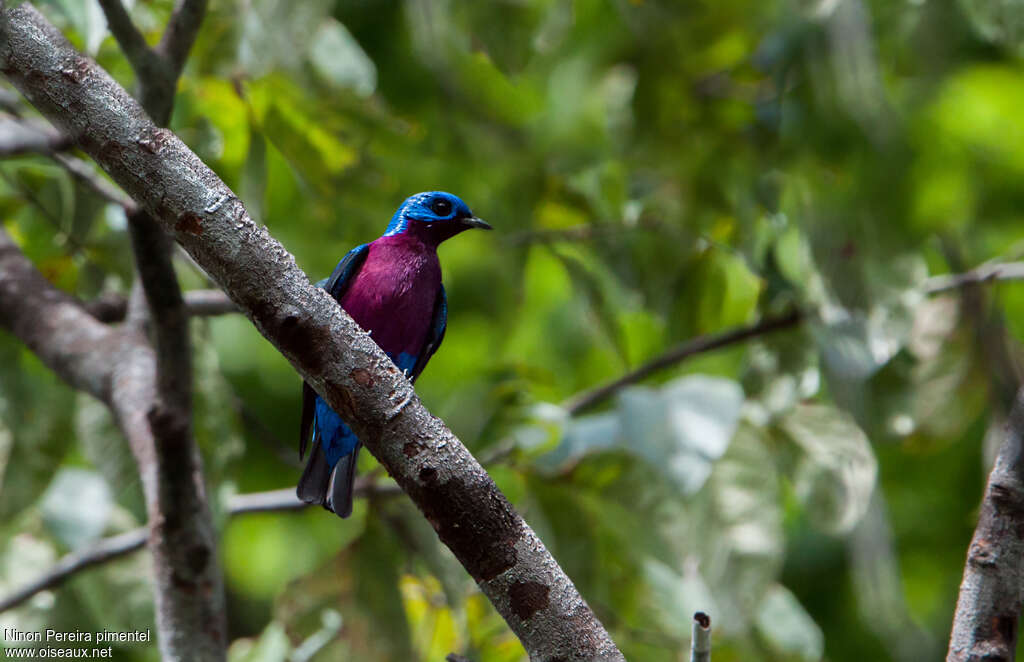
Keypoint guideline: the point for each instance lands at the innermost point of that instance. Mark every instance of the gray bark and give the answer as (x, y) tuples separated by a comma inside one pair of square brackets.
[(117, 365), (469, 513), (988, 609)]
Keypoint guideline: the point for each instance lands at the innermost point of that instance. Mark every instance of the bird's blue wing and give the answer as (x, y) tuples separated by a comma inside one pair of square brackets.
[(330, 473), (336, 285), (438, 324), (339, 280)]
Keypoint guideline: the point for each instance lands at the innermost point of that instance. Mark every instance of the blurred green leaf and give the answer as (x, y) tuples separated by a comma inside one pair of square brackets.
[(36, 410), (271, 646), (336, 56), (76, 507), (835, 471), (680, 429), (787, 627), (998, 21)]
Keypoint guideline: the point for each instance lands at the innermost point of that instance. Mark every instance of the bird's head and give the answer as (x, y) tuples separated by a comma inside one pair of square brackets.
[(433, 217)]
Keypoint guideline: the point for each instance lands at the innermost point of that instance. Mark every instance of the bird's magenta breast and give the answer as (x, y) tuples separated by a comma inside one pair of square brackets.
[(394, 292)]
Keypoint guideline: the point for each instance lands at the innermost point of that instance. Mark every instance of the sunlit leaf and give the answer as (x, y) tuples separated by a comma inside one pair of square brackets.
[(787, 627), (271, 646), (680, 429), (76, 506), (835, 473), (337, 57)]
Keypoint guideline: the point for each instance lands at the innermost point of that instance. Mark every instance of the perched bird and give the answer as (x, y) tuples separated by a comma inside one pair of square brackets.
[(392, 288)]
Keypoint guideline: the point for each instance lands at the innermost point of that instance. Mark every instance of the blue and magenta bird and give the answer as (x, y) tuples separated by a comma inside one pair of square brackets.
[(392, 288)]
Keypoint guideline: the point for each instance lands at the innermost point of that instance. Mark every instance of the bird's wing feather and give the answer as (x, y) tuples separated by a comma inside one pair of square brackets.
[(306, 424), (435, 334), (336, 285), (348, 267)]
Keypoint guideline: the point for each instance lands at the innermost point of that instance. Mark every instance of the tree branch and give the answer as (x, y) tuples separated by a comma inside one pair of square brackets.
[(84, 173), (80, 349), (700, 640), (587, 399), (128, 37), (988, 609), (19, 136), (155, 79), (117, 366), (181, 32), (508, 561), (123, 544), (70, 564), (112, 307), (982, 274)]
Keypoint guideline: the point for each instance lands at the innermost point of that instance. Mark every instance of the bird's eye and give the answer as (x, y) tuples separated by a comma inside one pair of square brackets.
[(441, 207)]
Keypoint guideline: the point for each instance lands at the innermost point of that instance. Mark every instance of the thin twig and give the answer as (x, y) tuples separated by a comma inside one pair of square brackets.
[(112, 548), (25, 136), (181, 32), (982, 274), (113, 307), (587, 399), (69, 564), (85, 173), (700, 643), (127, 35)]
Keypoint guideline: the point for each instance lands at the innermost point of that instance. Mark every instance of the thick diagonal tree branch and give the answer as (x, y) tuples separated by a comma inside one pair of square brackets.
[(117, 366), (469, 513), (992, 591), (157, 71)]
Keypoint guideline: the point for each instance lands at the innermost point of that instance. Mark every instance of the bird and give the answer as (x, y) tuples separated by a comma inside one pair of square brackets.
[(392, 288)]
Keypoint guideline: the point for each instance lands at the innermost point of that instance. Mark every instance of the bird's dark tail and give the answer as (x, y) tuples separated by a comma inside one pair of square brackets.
[(343, 480), (315, 478), (332, 489)]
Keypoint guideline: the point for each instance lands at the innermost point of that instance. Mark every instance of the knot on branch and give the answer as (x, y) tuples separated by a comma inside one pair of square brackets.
[(153, 139), (1007, 497), (982, 554)]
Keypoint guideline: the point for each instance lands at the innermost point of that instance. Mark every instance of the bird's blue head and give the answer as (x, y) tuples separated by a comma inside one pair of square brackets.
[(433, 216)]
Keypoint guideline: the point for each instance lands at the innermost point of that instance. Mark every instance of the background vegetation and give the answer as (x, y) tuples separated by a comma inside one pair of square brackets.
[(654, 171)]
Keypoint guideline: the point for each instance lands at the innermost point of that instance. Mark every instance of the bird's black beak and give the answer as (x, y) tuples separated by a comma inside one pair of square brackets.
[(474, 222)]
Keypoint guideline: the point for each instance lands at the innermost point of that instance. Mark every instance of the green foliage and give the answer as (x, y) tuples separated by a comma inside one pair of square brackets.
[(655, 170)]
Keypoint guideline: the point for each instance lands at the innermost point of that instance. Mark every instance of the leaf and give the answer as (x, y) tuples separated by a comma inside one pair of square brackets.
[(787, 627), (338, 58), (680, 430), (836, 469), (106, 449), (272, 646), (88, 21), (731, 530), (683, 429), (77, 506), (431, 622), (36, 409), (998, 21), (280, 560), (582, 436), (272, 28), (676, 597)]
